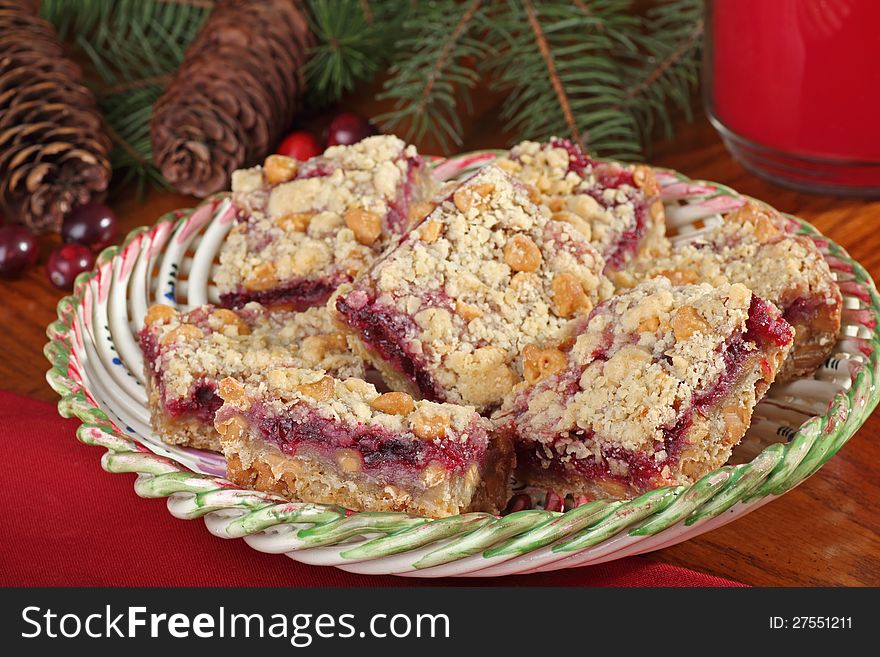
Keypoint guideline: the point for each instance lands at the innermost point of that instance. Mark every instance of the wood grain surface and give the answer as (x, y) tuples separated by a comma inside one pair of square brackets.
[(825, 532)]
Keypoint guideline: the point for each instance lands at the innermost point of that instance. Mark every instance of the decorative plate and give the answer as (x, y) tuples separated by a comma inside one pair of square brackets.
[(98, 371)]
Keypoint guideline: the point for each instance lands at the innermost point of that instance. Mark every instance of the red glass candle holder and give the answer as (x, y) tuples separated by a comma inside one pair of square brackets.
[(793, 88)]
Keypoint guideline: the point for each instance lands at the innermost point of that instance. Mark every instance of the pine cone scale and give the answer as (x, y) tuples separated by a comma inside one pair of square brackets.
[(53, 148), (234, 95)]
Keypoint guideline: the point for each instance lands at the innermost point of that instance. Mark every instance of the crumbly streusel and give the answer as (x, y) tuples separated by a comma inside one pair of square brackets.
[(320, 221), (634, 372), (616, 207), (485, 274), (210, 343), (655, 387), (352, 402), (753, 247)]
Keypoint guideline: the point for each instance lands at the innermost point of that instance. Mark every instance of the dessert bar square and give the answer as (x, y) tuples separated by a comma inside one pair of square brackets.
[(313, 438), (617, 207), (187, 354), (655, 387), (305, 227), (755, 247), (445, 313)]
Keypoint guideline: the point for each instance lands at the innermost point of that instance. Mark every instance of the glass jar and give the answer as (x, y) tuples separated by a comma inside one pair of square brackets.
[(793, 88)]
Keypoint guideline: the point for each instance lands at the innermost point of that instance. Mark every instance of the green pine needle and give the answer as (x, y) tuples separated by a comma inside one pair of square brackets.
[(584, 68)]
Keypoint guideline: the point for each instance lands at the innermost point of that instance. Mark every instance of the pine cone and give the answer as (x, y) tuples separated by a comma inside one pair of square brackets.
[(235, 93), (53, 148)]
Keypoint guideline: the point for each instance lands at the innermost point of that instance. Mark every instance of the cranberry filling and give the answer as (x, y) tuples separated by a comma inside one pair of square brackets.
[(397, 220), (379, 447), (629, 241), (299, 295), (381, 330), (802, 310), (763, 327), (577, 160), (203, 403)]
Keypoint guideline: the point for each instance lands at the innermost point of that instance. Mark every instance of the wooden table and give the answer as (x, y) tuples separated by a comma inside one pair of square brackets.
[(825, 532)]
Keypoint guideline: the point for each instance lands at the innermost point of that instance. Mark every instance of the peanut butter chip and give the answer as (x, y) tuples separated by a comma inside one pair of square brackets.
[(522, 254), (679, 276), (736, 419), (320, 390), (232, 428), (394, 403), (686, 322), (765, 231), (469, 196), (229, 318), (540, 363), (232, 392), (534, 194), (262, 279), (644, 178), (556, 204), (182, 332), (279, 169), (295, 222), (568, 295), (656, 210), (349, 460), (159, 313), (430, 231), (428, 426), (366, 225), (418, 210), (466, 311)]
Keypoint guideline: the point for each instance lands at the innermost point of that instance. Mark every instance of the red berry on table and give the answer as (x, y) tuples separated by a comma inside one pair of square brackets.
[(18, 249), (67, 262), (348, 128), (92, 224), (300, 145)]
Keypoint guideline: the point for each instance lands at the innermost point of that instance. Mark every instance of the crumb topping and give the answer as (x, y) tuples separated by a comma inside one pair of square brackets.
[(479, 280), (577, 192), (352, 402), (327, 217), (753, 248), (637, 361), (210, 343)]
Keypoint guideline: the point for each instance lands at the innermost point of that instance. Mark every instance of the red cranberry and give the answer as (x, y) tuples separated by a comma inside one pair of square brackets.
[(66, 263), (554, 501), (520, 502), (18, 249), (93, 225), (301, 145), (348, 128)]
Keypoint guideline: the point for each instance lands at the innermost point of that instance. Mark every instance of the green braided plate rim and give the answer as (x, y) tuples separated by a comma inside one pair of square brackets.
[(474, 543)]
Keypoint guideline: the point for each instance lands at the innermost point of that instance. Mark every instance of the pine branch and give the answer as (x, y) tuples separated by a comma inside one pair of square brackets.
[(134, 46), (431, 85), (558, 87), (667, 72), (584, 46), (354, 43)]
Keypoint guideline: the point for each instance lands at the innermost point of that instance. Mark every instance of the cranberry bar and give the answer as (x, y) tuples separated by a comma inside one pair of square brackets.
[(304, 228), (445, 313), (313, 438), (616, 207), (754, 247), (186, 355), (655, 387)]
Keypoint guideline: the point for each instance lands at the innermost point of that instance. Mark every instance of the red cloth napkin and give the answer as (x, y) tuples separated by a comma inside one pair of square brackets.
[(70, 523)]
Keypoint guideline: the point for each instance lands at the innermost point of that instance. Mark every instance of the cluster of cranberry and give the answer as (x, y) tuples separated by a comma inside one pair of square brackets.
[(85, 231), (345, 129), (90, 228)]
